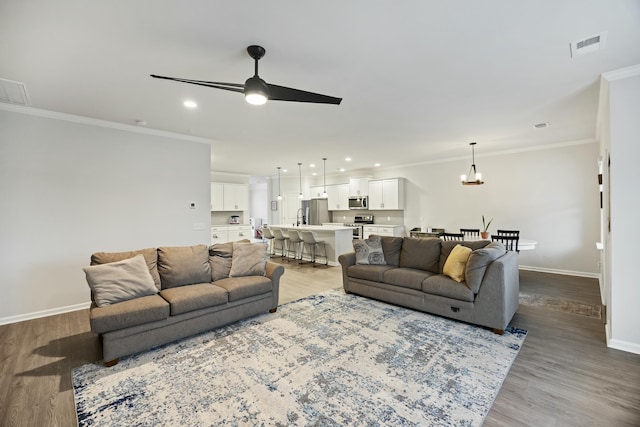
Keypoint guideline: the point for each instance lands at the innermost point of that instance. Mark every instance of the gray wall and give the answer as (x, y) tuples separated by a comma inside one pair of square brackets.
[(69, 188)]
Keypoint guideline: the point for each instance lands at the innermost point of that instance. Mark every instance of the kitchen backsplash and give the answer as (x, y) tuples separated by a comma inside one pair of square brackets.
[(220, 218), (379, 217)]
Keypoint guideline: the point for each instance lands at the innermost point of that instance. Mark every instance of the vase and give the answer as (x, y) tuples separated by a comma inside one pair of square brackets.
[(484, 235)]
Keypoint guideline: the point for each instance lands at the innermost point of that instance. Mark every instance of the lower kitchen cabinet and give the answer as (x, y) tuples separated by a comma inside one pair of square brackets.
[(383, 230), (230, 233)]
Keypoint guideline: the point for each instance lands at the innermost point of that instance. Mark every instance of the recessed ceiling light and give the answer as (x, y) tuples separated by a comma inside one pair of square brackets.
[(342, 169), (541, 125), (284, 170), (312, 165), (314, 174), (348, 159), (190, 104), (376, 164)]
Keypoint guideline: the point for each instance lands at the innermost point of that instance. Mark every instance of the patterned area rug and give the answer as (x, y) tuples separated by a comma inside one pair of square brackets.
[(560, 304), (327, 360)]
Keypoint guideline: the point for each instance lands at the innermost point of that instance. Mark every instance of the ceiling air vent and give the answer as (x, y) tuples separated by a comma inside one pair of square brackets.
[(13, 92), (588, 45)]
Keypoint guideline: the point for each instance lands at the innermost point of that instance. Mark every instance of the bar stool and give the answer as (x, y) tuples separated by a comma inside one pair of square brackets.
[(309, 241), (267, 234), (295, 244), (279, 237)]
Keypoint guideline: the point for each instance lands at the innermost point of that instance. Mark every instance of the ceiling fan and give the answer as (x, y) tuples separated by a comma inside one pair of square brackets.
[(257, 91)]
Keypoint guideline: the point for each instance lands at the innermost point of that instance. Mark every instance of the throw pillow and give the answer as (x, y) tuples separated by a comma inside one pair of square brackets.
[(249, 259), (183, 265), (120, 281), (455, 264), (220, 255), (369, 251), (150, 256)]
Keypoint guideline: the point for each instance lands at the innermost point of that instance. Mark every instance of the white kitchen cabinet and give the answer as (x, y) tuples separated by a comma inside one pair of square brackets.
[(217, 196), (239, 232), (236, 197), (219, 234), (338, 196), (316, 191), (382, 230), (386, 194), (358, 187)]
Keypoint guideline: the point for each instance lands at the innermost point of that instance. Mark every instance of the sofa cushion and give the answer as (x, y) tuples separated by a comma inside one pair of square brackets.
[(369, 251), (245, 287), (423, 254), (183, 265), (447, 247), (183, 299), (220, 255), (456, 263), (391, 247), (478, 262), (150, 256), (120, 281), (249, 259), (375, 273), (138, 311), (406, 277), (444, 286)]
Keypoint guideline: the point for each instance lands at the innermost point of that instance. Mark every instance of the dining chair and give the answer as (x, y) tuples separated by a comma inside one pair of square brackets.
[(509, 242), (452, 236), (474, 233), (508, 232)]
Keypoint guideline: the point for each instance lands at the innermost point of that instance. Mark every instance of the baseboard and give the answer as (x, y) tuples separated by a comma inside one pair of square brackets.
[(563, 272), (624, 346), (43, 313)]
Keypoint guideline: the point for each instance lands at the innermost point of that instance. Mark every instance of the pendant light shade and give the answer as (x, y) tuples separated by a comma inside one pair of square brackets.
[(300, 176), (279, 195), (473, 177), (256, 91), (324, 177)]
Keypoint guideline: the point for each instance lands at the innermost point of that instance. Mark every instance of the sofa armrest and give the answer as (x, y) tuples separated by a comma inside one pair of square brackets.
[(346, 260), (274, 272), (499, 293)]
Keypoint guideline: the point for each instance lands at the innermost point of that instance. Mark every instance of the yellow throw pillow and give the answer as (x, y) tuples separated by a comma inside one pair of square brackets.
[(456, 262)]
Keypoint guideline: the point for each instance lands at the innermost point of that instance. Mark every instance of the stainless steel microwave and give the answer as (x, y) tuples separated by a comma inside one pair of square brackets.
[(361, 202)]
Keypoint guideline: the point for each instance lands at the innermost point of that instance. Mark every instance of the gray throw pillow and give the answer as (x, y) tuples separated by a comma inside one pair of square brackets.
[(369, 251), (183, 265), (249, 259), (150, 256), (220, 255), (120, 281)]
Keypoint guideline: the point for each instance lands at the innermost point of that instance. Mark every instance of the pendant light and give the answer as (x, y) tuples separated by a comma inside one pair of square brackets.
[(324, 177), (474, 177), (300, 176), (279, 195)]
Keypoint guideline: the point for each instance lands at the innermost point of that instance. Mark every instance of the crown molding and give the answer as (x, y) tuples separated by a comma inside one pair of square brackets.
[(101, 123), (622, 73)]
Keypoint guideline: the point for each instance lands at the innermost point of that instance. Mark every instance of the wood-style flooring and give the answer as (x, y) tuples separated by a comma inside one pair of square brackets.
[(564, 375)]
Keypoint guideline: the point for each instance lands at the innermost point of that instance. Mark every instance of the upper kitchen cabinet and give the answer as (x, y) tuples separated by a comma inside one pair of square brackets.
[(316, 191), (236, 197), (229, 197), (358, 187), (217, 196), (338, 196), (386, 194)]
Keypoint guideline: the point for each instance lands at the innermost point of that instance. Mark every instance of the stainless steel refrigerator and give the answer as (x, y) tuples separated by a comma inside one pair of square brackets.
[(315, 211)]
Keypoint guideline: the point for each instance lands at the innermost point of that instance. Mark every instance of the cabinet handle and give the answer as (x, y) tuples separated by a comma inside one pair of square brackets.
[(215, 236), (240, 234)]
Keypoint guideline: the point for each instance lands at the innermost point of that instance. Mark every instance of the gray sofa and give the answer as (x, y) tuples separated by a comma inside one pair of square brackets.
[(193, 293), (412, 276)]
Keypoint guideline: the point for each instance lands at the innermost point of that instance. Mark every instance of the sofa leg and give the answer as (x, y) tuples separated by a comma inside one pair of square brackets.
[(273, 310), (498, 331), (111, 363)]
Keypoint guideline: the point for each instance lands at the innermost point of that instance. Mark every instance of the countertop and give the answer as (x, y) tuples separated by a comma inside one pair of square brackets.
[(231, 225), (313, 227)]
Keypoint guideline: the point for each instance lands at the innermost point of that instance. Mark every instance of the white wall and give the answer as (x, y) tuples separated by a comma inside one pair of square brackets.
[(621, 244), (69, 188), (550, 195)]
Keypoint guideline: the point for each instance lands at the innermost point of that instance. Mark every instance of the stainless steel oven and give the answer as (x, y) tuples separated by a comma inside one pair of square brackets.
[(357, 225)]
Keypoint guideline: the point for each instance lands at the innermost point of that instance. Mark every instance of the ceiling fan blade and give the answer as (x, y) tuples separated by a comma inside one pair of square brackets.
[(233, 87), (281, 93)]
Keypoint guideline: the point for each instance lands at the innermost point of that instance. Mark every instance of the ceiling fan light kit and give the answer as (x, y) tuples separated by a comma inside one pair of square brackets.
[(473, 177), (256, 91)]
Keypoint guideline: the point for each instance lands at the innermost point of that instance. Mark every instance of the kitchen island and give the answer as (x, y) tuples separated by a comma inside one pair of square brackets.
[(338, 239)]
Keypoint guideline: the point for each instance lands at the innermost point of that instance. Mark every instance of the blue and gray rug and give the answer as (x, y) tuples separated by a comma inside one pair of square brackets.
[(327, 360)]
